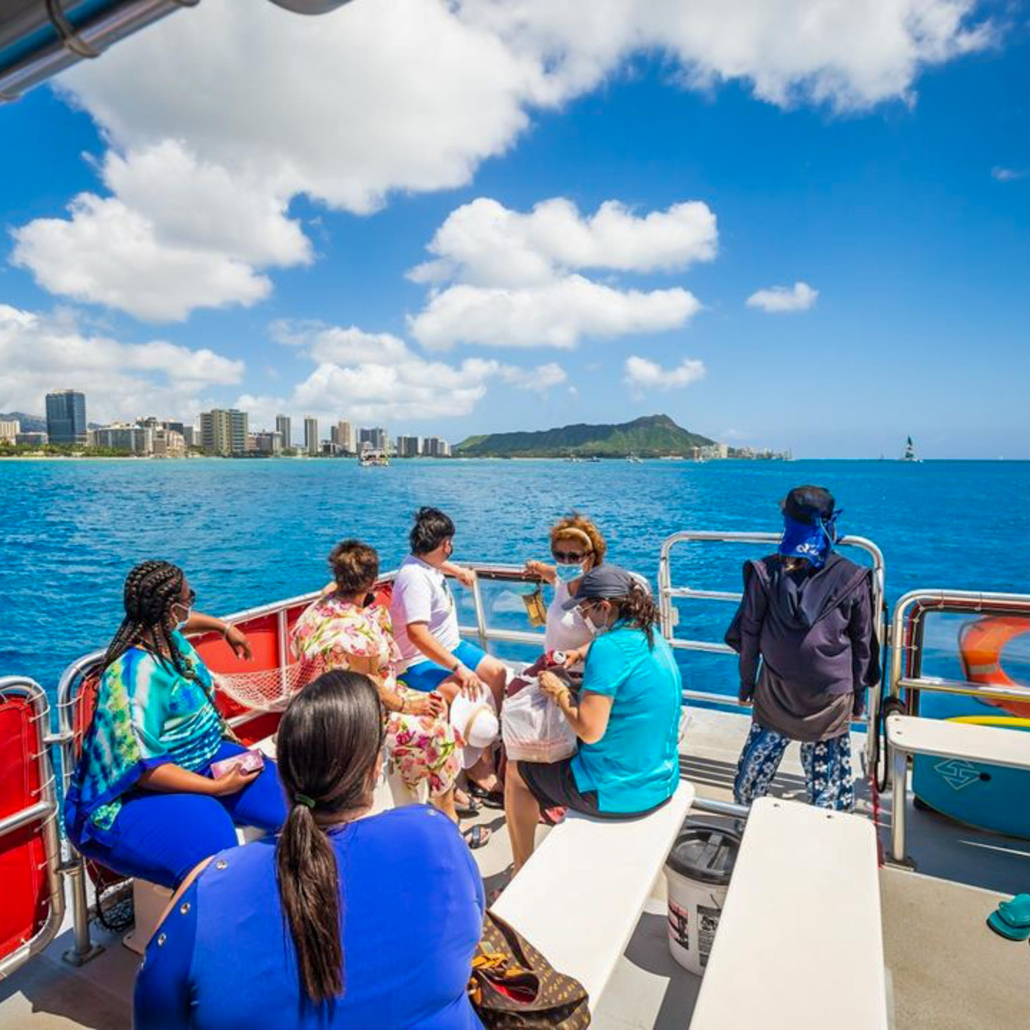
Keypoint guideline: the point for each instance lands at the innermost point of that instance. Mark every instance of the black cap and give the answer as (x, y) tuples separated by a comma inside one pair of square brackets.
[(603, 581), (808, 503)]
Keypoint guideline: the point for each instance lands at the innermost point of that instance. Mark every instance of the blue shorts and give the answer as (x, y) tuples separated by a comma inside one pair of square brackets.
[(427, 676)]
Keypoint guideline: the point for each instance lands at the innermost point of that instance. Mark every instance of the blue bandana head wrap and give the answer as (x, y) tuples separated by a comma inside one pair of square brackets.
[(812, 540)]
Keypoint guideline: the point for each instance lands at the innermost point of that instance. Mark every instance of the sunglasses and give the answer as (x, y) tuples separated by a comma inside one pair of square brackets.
[(568, 557)]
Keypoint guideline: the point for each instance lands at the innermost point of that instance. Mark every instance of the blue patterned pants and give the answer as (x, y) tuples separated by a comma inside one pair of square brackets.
[(827, 767)]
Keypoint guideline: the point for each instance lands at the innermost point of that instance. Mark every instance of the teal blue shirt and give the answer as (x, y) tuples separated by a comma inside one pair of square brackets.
[(635, 765)]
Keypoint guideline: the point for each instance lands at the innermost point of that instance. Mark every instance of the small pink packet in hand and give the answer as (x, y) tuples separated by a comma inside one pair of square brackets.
[(249, 761)]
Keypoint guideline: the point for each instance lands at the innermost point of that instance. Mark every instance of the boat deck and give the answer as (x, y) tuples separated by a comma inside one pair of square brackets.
[(946, 970)]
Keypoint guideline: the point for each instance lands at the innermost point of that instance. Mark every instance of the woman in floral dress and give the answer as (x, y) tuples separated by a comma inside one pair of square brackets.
[(345, 629)]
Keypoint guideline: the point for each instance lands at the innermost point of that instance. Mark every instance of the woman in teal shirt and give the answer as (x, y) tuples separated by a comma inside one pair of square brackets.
[(142, 800), (626, 718)]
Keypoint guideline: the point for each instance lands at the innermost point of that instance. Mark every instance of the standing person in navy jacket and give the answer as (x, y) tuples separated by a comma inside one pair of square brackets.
[(806, 635)]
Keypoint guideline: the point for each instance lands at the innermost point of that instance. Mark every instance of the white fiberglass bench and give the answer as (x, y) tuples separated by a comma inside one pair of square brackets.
[(800, 943), (580, 895)]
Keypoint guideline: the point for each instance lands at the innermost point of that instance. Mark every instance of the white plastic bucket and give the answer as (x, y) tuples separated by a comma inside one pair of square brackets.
[(697, 875)]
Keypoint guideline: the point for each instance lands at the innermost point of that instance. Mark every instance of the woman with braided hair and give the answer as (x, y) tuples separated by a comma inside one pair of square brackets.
[(143, 800)]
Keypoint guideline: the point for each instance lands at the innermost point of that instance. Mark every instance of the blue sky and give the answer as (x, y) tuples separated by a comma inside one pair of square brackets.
[(234, 253)]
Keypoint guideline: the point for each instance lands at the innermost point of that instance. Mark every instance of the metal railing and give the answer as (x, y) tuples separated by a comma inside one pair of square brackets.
[(668, 594), (907, 682), (45, 812)]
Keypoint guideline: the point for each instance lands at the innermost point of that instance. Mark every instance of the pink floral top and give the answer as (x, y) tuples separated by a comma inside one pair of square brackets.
[(337, 631)]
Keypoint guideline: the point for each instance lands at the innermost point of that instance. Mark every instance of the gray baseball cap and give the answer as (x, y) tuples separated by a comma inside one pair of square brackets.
[(601, 582)]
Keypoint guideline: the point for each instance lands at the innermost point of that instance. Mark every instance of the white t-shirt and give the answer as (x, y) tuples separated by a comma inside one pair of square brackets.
[(421, 594), (565, 631)]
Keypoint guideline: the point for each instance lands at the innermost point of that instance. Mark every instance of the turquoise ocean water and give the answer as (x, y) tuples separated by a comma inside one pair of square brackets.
[(251, 532)]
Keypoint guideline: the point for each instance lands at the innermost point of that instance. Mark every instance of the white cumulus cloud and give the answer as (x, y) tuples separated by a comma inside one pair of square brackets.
[(643, 374), (484, 243), (377, 376), (558, 314), (176, 234), (777, 299), (39, 353), (411, 95)]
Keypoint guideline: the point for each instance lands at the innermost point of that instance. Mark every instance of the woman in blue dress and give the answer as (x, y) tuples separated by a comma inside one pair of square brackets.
[(347, 920), (142, 800)]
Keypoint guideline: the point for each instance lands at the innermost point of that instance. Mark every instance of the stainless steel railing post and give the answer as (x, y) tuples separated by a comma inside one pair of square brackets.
[(899, 795)]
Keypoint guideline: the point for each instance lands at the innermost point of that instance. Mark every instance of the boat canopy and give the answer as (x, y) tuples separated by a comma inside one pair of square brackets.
[(39, 38)]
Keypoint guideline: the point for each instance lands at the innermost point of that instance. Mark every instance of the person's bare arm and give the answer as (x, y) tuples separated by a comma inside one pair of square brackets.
[(200, 623), (173, 779), (546, 572), (466, 577), (588, 718)]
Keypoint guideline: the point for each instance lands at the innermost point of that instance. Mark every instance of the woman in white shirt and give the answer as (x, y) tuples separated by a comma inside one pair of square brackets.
[(576, 547)]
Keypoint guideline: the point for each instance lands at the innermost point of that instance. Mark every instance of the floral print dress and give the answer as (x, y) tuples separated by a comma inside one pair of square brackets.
[(335, 632)]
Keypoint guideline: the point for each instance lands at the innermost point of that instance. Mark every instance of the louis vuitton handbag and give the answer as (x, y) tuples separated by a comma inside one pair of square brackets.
[(513, 987)]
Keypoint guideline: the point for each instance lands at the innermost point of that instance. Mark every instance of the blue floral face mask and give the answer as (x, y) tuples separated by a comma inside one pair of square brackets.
[(813, 542), (567, 573)]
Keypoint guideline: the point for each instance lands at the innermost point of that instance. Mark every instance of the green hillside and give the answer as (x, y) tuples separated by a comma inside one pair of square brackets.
[(649, 437)]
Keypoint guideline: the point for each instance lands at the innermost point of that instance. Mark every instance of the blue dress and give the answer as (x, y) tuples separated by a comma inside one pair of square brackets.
[(412, 904)]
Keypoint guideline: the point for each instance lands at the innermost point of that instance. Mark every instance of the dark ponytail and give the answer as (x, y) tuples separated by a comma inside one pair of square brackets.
[(639, 609), (328, 742)]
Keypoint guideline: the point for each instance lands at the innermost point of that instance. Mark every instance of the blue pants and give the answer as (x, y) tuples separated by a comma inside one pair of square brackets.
[(161, 837), (827, 765)]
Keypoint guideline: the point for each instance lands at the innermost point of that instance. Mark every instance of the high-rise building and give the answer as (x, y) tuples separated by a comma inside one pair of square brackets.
[(435, 447), (311, 435), (282, 427), (66, 416), (9, 429), (191, 436), (343, 436), (121, 436), (224, 431), (268, 443), (168, 443), (407, 447), (376, 438)]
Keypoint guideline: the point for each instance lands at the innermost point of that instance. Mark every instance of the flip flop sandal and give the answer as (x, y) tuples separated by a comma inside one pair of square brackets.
[(490, 798), (1011, 919), (553, 816), (467, 809), (477, 837)]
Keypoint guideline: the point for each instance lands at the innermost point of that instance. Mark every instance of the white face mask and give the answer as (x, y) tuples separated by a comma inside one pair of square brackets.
[(567, 573), (592, 627), (181, 623)]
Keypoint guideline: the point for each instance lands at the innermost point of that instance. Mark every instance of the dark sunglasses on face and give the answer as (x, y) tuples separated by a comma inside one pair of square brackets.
[(568, 557)]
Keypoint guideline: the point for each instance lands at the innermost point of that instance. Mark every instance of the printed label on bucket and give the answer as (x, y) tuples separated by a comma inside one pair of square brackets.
[(707, 923), (678, 925)]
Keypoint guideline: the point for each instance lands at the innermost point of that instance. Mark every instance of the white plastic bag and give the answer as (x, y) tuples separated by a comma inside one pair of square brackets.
[(533, 727)]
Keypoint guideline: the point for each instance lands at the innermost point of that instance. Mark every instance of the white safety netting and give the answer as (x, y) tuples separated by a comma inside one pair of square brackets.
[(266, 690)]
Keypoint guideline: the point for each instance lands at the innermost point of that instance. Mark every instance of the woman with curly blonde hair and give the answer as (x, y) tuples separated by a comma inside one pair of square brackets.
[(577, 546)]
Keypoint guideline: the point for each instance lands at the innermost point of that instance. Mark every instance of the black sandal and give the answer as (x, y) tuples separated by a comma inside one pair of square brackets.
[(469, 809), (477, 837), (489, 798)]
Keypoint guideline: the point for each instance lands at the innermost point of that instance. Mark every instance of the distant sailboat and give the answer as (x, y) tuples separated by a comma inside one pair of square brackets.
[(910, 451)]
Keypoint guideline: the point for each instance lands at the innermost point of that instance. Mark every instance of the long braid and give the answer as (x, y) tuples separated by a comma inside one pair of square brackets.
[(151, 589)]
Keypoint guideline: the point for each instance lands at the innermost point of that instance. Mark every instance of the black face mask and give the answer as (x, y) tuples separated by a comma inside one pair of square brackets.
[(369, 599)]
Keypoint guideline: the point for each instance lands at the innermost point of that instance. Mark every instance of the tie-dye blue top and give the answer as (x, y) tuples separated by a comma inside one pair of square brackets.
[(146, 715)]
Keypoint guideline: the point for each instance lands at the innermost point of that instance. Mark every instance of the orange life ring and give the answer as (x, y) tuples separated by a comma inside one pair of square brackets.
[(980, 646)]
